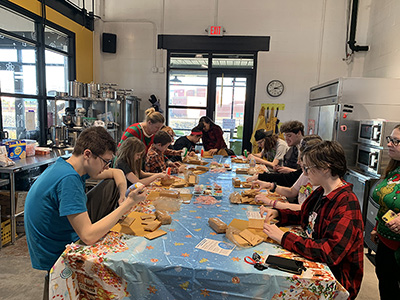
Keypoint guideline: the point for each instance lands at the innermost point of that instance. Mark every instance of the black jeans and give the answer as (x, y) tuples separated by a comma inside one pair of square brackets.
[(388, 272)]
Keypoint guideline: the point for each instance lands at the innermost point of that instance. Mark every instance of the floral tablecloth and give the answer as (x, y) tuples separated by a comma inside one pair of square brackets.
[(170, 267)]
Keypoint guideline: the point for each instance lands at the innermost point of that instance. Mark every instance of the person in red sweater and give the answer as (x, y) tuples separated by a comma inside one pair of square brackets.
[(330, 216), (213, 136), (145, 130)]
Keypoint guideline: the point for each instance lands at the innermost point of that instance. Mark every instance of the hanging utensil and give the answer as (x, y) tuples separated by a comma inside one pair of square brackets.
[(277, 120)]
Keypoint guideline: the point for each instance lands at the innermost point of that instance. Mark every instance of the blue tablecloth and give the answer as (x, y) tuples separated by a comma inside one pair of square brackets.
[(170, 267)]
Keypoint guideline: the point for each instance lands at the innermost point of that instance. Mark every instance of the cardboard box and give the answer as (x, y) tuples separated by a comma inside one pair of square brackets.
[(20, 197), (16, 149)]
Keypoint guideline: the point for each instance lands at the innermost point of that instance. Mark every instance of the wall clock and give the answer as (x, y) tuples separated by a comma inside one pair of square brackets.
[(275, 88)]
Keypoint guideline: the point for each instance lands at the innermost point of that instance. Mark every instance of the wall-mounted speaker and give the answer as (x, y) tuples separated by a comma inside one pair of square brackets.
[(109, 43)]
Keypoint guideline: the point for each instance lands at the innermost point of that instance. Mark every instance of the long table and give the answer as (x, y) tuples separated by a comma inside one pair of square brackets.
[(170, 267)]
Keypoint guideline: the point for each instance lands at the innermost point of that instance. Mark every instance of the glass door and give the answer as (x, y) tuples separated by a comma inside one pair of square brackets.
[(227, 102), (220, 86)]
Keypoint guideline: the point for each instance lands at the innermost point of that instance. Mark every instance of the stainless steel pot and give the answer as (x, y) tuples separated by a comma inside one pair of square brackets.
[(93, 90), (109, 93), (61, 94), (75, 89)]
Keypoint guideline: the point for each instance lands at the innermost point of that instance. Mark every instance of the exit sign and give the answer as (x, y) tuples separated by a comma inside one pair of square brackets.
[(215, 31)]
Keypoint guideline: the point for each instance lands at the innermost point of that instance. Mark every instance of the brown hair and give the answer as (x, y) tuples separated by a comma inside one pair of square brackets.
[(162, 138), (96, 139), (168, 130), (126, 152), (154, 116), (270, 142), (393, 164), (327, 155), (309, 141), (292, 126)]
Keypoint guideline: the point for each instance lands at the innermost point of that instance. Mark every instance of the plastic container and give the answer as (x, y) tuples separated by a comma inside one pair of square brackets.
[(30, 147), (133, 187), (252, 163)]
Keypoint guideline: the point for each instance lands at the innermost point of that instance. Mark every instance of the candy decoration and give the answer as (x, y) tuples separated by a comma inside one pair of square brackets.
[(168, 171), (245, 153)]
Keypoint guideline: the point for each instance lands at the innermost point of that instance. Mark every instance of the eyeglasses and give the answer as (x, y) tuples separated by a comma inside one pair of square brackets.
[(305, 169), (107, 163), (395, 142)]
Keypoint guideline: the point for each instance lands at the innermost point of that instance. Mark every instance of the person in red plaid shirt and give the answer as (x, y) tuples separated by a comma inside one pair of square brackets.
[(330, 216), (156, 161)]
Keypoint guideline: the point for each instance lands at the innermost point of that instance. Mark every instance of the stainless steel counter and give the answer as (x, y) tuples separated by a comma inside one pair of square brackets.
[(21, 165)]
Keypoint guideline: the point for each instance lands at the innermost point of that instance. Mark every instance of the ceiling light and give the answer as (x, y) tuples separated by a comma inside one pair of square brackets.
[(175, 80)]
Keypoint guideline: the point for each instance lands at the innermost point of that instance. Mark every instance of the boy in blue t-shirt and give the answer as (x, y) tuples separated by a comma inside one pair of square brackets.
[(55, 208)]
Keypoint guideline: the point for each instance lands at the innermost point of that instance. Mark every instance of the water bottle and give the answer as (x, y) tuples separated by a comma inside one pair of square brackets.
[(133, 187), (184, 153)]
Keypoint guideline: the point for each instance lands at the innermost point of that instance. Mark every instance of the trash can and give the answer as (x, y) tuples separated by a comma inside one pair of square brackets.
[(236, 146)]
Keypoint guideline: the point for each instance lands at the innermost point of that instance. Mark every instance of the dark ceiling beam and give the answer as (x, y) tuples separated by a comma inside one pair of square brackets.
[(80, 16)]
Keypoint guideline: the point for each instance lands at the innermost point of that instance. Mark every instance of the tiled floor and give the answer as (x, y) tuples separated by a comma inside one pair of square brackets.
[(19, 281)]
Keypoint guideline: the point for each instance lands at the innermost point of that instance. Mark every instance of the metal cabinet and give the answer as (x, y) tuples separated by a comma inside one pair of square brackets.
[(362, 184)]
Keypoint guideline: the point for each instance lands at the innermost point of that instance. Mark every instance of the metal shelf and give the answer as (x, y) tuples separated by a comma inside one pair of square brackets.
[(69, 98), (4, 182)]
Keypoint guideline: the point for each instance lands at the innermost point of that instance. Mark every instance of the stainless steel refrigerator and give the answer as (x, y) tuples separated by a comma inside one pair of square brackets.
[(337, 106), (335, 109)]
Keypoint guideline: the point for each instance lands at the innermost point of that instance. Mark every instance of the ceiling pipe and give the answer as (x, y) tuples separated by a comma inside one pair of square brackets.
[(353, 26)]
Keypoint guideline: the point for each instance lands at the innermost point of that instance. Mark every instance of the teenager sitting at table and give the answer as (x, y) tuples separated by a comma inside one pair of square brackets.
[(301, 189), (189, 141), (331, 218), (130, 158), (293, 131), (171, 153), (213, 136), (55, 207), (273, 149), (145, 130), (155, 161)]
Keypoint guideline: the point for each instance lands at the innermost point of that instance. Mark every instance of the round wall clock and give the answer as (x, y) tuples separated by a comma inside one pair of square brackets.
[(275, 88)]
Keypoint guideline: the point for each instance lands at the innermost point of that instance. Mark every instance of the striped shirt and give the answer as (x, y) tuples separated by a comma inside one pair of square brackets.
[(136, 130)]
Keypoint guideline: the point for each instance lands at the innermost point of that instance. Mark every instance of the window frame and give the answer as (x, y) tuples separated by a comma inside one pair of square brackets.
[(40, 46)]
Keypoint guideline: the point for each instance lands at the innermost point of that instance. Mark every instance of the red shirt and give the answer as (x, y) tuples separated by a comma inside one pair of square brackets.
[(337, 238), (155, 161), (213, 138), (136, 130)]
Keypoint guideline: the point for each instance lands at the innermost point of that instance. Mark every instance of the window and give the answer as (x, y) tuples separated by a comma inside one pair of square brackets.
[(17, 67), (191, 75), (28, 68)]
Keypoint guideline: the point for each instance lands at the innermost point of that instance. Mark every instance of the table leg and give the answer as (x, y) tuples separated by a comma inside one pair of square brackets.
[(12, 200)]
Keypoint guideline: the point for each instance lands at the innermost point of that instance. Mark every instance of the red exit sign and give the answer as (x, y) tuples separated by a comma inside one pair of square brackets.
[(215, 31)]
